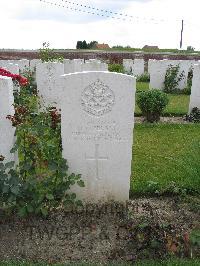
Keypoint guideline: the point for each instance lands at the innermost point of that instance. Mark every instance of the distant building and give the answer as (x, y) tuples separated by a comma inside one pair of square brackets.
[(101, 46), (149, 47)]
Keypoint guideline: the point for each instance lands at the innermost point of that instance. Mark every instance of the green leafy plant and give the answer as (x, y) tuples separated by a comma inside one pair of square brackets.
[(152, 104), (194, 116), (116, 68), (144, 77), (172, 79), (47, 54), (40, 181), (187, 90)]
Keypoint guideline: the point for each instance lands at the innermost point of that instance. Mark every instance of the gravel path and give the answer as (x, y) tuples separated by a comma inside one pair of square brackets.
[(171, 120)]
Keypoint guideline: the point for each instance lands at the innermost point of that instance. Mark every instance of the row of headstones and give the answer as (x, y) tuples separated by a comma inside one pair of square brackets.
[(158, 68), (70, 66), (97, 123)]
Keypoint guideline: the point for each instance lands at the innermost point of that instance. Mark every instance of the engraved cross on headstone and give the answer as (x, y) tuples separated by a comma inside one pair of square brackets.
[(96, 159)]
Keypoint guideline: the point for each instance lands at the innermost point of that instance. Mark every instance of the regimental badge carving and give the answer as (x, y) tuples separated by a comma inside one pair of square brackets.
[(97, 99)]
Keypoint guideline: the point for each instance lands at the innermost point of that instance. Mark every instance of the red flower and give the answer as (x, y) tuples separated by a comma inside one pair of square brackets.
[(22, 80)]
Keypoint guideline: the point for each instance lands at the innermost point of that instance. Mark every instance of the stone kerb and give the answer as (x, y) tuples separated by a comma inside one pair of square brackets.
[(97, 132), (195, 90), (7, 138), (47, 79)]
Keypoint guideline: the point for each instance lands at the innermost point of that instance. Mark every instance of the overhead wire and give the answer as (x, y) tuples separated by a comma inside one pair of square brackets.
[(109, 13)]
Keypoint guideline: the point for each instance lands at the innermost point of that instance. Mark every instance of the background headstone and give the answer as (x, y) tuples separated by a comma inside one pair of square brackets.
[(47, 79), (195, 90), (138, 67), (128, 65), (34, 63)]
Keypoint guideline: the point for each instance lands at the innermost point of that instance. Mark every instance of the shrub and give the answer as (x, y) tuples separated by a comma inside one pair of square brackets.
[(144, 77), (48, 55), (152, 104), (172, 79), (40, 182), (194, 115), (116, 68), (187, 90)]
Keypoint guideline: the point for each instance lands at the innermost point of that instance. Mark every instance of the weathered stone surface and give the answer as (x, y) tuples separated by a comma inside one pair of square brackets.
[(6, 108), (34, 63), (47, 78), (13, 68), (138, 67), (94, 65), (97, 132), (195, 90), (128, 66)]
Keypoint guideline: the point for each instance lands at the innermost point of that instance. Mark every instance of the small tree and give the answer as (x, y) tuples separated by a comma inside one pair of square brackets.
[(84, 45), (47, 54), (79, 45), (152, 103)]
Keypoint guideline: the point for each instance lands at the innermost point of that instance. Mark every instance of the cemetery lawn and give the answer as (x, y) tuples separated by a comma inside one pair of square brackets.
[(178, 103), (166, 159)]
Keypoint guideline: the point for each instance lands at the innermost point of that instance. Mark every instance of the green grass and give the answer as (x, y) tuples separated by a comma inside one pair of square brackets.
[(172, 262), (165, 157), (142, 86), (178, 103)]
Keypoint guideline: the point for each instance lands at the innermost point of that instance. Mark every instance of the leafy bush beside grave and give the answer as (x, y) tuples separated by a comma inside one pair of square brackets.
[(144, 77), (152, 103), (187, 90), (47, 54), (194, 116), (40, 182), (116, 68), (172, 79)]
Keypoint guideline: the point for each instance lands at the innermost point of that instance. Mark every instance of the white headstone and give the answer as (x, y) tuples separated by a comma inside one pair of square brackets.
[(97, 132), (72, 66), (158, 68), (195, 90), (23, 64), (47, 77), (157, 71), (128, 66), (7, 138), (4, 63), (34, 63), (13, 68), (138, 67), (94, 66)]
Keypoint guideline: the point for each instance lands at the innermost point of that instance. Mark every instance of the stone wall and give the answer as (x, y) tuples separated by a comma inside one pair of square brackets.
[(112, 56)]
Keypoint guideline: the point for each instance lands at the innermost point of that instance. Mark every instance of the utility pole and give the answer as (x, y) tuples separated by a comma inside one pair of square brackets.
[(182, 26)]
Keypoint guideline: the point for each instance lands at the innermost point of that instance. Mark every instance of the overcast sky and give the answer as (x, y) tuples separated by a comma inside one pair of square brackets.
[(28, 23)]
